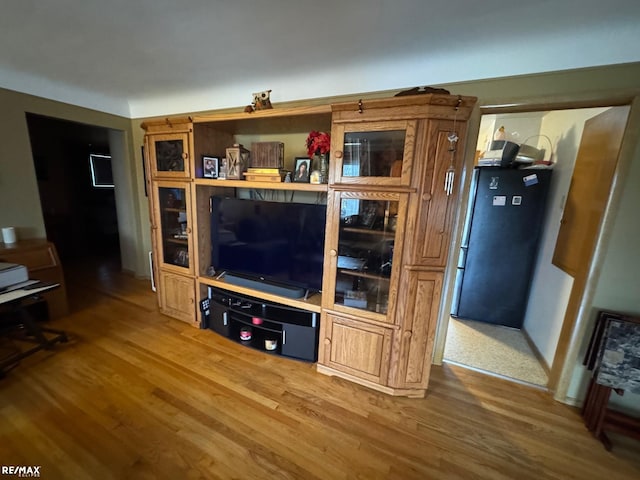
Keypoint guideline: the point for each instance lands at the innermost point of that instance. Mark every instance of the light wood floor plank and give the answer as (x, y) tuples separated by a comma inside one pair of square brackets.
[(136, 394)]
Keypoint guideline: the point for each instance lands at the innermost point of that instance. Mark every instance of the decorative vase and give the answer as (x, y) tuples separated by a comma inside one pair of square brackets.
[(322, 163)]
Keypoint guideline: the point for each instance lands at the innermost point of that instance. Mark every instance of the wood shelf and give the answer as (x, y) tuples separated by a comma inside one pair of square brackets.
[(311, 304), (270, 113), (306, 187)]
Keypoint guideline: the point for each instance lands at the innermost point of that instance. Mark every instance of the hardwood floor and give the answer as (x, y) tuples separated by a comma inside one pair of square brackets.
[(136, 394)]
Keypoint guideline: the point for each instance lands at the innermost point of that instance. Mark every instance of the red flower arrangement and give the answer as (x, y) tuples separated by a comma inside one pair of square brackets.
[(318, 143)]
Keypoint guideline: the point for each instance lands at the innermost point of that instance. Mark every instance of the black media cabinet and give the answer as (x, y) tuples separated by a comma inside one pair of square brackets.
[(290, 331)]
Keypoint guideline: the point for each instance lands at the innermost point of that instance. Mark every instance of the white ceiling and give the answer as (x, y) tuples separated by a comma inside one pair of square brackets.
[(153, 57)]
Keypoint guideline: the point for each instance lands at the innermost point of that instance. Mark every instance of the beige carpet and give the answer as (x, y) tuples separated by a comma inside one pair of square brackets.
[(494, 349)]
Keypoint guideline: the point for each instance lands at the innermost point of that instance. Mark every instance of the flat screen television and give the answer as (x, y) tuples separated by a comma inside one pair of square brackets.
[(280, 242)]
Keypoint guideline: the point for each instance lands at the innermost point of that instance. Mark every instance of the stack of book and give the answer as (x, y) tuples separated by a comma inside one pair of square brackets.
[(264, 174)]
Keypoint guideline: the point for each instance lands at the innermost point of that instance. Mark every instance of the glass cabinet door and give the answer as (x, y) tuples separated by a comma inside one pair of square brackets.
[(376, 153), (368, 238), (172, 226), (168, 155)]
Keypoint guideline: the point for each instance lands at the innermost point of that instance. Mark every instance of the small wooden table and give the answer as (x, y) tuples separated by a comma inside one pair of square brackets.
[(613, 356), (12, 301), (599, 418)]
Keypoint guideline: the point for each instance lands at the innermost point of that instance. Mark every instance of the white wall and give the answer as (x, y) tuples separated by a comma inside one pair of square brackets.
[(123, 196), (551, 287)]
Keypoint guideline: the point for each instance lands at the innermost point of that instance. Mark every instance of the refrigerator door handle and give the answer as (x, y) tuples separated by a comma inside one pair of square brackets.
[(462, 258)]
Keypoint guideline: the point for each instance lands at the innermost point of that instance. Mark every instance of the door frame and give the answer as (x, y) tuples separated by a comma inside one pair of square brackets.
[(576, 320)]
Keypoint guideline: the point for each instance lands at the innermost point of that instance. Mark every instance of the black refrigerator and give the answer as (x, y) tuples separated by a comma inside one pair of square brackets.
[(500, 244)]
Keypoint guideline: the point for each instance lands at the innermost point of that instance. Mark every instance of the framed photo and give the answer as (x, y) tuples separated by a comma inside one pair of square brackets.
[(302, 171), (368, 215), (144, 172), (210, 167)]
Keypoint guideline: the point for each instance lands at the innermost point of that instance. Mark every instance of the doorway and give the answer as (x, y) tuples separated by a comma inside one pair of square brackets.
[(526, 354), (80, 218)]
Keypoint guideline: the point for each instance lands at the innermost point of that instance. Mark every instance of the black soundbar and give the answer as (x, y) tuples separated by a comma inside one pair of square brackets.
[(267, 286)]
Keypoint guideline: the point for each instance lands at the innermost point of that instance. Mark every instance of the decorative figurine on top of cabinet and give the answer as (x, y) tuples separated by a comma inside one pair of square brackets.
[(261, 101), (422, 90)]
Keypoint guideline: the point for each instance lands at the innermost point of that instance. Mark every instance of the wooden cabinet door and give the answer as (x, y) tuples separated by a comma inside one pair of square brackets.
[(435, 206), (363, 245), (177, 296), (373, 153), (172, 226), (169, 155), (413, 347), (356, 348), (589, 192)]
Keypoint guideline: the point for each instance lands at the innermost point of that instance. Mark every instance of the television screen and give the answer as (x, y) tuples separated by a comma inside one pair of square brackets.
[(274, 241)]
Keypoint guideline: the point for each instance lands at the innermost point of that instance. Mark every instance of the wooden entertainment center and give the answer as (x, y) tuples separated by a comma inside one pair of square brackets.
[(389, 217)]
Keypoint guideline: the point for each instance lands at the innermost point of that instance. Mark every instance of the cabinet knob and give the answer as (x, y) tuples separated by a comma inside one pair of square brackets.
[(188, 230), (426, 196), (338, 154), (185, 155), (327, 341), (333, 253), (407, 334)]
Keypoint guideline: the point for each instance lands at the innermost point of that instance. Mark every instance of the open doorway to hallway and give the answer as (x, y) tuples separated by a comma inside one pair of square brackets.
[(525, 353), (80, 218)]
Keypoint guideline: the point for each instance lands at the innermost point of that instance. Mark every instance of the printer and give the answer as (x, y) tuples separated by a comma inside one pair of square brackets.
[(12, 274), (505, 154), (501, 153)]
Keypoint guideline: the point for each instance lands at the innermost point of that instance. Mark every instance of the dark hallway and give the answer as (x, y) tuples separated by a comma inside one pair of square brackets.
[(80, 219)]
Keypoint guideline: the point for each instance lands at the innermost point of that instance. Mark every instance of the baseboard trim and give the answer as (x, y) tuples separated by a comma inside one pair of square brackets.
[(536, 352), (397, 392)]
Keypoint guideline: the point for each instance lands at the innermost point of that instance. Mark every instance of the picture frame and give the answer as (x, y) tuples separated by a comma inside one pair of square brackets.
[(368, 216), (144, 171), (302, 171), (210, 166)]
